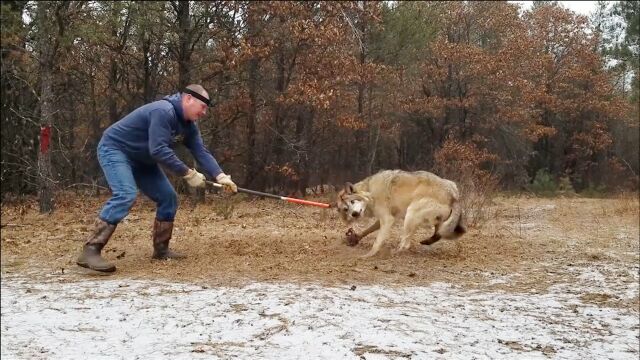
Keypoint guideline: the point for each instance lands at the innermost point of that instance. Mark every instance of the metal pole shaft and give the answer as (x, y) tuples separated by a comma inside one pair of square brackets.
[(272, 196)]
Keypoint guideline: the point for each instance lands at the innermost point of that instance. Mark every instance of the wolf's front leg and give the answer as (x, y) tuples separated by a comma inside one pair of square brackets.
[(385, 229)]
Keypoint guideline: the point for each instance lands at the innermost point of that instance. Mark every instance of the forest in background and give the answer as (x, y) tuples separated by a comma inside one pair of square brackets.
[(311, 93)]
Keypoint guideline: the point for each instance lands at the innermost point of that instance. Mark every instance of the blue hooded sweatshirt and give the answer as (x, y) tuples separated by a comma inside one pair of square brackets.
[(149, 133)]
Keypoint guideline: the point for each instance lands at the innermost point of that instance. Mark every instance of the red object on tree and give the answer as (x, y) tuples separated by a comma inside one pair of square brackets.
[(45, 138)]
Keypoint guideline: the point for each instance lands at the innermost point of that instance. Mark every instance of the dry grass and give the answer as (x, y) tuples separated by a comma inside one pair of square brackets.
[(626, 204), (476, 200), (528, 241)]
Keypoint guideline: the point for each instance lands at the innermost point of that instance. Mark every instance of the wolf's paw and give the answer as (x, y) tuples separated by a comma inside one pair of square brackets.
[(400, 249), (431, 240), (368, 255), (352, 238), (459, 230)]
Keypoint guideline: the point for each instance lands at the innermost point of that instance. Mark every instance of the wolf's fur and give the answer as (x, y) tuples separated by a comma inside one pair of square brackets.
[(420, 198)]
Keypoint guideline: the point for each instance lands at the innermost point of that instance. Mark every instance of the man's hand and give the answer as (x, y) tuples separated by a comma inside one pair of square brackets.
[(194, 178), (224, 179)]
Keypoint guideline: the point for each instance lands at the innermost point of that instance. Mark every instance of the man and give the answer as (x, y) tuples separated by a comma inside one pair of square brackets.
[(130, 153)]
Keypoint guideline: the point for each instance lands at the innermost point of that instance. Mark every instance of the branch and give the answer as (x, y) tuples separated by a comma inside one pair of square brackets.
[(31, 88), (24, 117), (354, 30), (28, 163), (629, 166)]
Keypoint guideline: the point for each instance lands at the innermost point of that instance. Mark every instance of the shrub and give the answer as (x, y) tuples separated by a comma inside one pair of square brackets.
[(543, 184), (465, 164)]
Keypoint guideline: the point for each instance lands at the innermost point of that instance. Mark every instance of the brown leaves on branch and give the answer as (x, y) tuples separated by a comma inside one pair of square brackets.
[(539, 75)]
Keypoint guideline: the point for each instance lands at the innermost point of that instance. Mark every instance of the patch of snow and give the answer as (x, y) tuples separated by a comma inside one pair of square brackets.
[(592, 275), (544, 207), (493, 279), (528, 226), (621, 283), (623, 236), (99, 319)]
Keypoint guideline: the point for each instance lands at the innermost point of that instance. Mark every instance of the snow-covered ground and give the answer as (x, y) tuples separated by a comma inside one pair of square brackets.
[(55, 318)]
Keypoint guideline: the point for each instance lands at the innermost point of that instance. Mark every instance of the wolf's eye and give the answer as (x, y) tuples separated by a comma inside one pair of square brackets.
[(352, 202), (345, 209)]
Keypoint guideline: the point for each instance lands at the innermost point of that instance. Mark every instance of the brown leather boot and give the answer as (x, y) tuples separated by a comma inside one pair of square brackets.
[(90, 257), (161, 235)]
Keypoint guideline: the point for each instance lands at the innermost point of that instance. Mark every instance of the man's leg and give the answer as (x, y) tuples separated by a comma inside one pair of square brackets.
[(117, 170), (154, 183)]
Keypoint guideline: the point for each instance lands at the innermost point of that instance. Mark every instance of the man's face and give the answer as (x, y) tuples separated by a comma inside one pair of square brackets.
[(193, 108)]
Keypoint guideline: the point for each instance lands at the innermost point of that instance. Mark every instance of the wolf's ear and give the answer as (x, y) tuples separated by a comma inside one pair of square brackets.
[(348, 188)]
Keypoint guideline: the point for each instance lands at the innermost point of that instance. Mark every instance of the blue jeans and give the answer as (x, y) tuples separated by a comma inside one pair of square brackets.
[(125, 176)]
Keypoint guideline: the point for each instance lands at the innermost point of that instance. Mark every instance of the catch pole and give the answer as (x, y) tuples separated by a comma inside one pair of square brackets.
[(272, 196)]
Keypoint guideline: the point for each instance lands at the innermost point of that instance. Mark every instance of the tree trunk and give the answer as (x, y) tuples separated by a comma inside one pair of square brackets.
[(184, 73), (112, 102), (374, 137), (184, 35), (280, 127), (253, 163), (47, 45), (304, 131), (96, 133), (147, 87), (361, 136), (45, 180)]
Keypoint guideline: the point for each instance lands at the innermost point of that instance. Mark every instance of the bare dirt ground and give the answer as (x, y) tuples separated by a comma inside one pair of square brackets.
[(545, 278), (533, 243)]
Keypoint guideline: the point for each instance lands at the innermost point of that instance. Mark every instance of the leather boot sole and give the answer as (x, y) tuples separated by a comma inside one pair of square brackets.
[(168, 257), (108, 269)]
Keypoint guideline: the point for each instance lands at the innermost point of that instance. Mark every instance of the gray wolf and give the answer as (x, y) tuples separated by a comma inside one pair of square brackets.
[(420, 198)]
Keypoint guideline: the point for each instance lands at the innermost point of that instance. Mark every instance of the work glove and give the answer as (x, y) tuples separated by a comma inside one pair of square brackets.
[(194, 178), (224, 179)]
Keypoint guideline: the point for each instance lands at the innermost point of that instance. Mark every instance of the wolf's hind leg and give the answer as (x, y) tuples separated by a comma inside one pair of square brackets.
[(431, 214), (412, 220)]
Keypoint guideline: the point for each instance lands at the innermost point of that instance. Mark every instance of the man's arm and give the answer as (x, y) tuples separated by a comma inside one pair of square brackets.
[(160, 141), (193, 141)]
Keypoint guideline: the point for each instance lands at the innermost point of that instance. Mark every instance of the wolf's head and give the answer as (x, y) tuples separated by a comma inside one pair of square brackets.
[(351, 204)]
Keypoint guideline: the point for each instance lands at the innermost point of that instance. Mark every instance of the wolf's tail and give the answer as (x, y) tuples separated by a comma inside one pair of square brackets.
[(452, 228)]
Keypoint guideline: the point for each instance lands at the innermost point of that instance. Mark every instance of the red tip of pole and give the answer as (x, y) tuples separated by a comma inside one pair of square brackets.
[(307, 202)]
